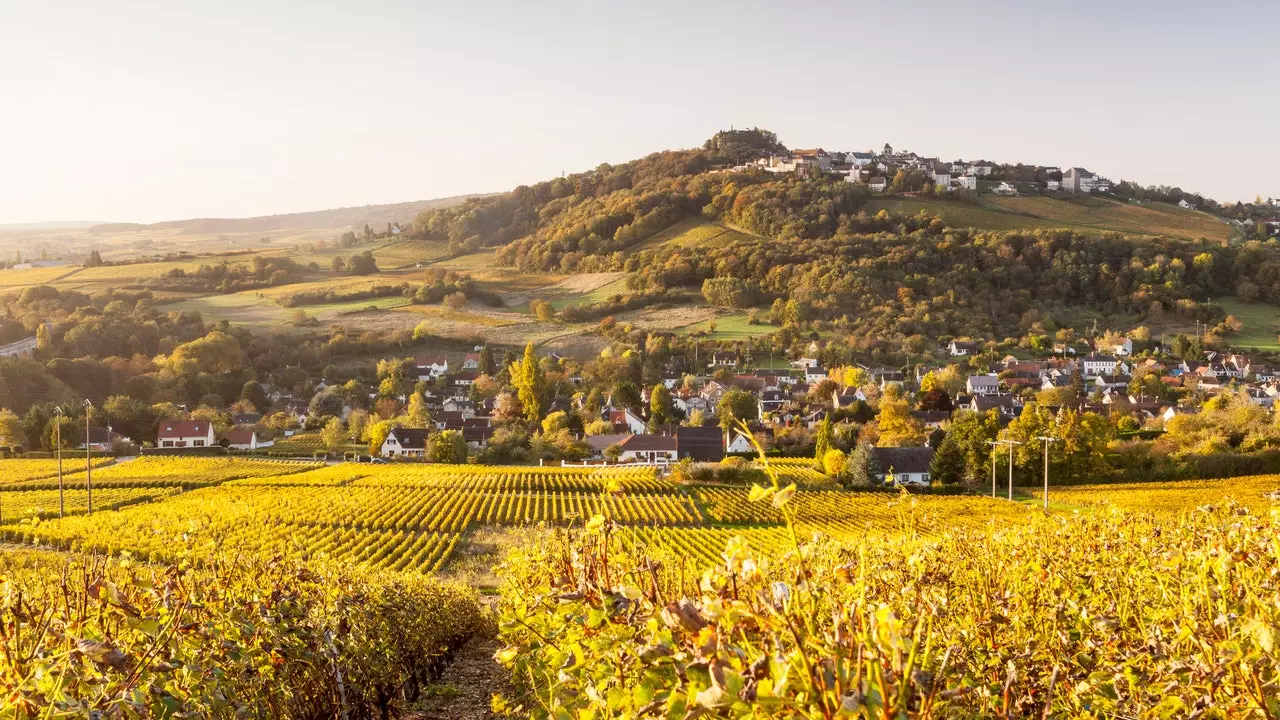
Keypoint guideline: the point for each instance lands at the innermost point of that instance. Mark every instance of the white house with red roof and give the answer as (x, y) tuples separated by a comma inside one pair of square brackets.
[(185, 434)]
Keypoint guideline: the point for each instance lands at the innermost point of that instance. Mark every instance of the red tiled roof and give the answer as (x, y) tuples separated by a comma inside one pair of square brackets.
[(184, 428)]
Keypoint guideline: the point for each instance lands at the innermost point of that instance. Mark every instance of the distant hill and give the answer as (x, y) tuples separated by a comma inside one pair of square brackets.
[(49, 225), (348, 217)]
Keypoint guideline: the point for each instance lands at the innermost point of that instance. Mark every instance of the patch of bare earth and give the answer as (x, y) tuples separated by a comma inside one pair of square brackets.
[(666, 318), (466, 689)]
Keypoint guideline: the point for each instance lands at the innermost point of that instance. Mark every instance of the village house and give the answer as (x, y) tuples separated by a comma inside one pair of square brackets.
[(626, 421), (908, 465), (877, 184), (100, 439), (1079, 180), (405, 442), (185, 434), (244, 440), (983, 384), (432, 367), (1005, 188), (646, 448), (960, 348), (700, 444), (1095, 365), (471, 362)]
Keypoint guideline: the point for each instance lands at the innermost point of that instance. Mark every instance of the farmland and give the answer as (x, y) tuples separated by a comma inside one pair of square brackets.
[(369, 529), (412, 517), (1260, 321), (1083, 214)]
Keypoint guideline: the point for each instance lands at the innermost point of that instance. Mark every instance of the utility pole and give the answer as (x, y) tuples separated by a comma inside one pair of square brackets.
[(993, 443), (1011, 443), (1047, 441), (57, 428), (88, 454)]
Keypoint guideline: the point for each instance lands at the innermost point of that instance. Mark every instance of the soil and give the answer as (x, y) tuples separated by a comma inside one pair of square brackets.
[(468, 685)]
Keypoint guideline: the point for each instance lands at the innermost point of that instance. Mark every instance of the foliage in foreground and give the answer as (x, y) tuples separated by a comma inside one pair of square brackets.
[(1100, 615), (86, 636)]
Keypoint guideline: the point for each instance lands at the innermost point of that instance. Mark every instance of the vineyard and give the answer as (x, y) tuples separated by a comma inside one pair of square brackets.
[(915, 574), (414, 517)]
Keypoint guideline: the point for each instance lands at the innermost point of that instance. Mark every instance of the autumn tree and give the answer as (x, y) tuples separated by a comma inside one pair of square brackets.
[(528, 380), (898, 428), (447, 446), (662, 408)]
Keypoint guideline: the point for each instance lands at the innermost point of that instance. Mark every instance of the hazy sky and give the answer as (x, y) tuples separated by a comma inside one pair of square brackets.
[(145, 111)]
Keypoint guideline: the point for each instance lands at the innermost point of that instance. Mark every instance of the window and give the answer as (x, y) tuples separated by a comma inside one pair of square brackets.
[(168, 443), (198, 443)]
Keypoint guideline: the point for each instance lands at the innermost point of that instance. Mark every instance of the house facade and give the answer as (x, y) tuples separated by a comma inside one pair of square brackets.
[(405, 442)]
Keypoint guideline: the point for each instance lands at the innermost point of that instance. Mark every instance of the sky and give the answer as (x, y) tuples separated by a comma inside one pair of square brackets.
[(134, 111)]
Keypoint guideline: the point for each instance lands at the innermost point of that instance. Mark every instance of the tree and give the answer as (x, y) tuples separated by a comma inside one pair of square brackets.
[(948, 465), (555, 422), (598, 427), (823, 439), (94, 259), (860, 467), (527, 377), (936, 399), (416, 414), (333, 434), (132, 418), (70, 430), (327, 402), (542, 309), (736, 405), (337, 264), (833, 462), (447, 446), (662, 408), (253, 392), (455, 300), (362, 264), (357, 423), (898, 428), (969, 432), (626, 394), (378, 433), (11, 432)]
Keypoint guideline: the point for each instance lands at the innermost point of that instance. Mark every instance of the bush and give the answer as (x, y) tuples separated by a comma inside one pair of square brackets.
[(230, 637)]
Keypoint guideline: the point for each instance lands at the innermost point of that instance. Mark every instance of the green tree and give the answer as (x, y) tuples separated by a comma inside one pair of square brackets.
[(969, 432), (447, 446), (662, 407), (860, 467), (736, 405), (948, 465)]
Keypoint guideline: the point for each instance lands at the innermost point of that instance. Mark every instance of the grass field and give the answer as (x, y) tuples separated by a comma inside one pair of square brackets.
[(954, 214), (693, 232), (729, 327), (1261, 323)]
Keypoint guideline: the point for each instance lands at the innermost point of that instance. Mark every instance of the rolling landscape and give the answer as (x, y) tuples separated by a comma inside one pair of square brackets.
[(951, 392)]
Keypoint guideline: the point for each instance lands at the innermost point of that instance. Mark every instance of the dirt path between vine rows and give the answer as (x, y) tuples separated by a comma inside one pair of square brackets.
[(465, 689)]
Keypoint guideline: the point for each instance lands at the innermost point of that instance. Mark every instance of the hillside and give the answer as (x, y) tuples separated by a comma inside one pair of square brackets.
[(347, 217), (1094, 214)]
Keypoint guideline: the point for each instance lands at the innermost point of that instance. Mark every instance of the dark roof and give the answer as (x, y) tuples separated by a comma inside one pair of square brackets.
[(931, 416), (239, 437), (101, 435), (411, 437), (702, 444), (903, 459), (600, 443), (646, 441)]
